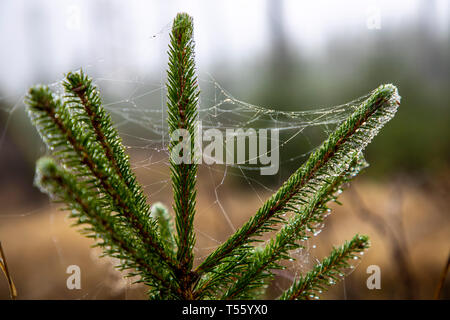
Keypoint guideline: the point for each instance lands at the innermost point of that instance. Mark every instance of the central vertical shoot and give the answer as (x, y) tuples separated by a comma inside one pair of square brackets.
[(182, 96)]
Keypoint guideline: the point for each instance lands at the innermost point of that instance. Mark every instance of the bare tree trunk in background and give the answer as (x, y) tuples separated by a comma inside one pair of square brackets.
[(279, 49)]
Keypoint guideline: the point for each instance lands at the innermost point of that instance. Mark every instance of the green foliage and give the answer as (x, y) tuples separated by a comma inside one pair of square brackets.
[(118, 239), (91, 174), (307, 221), (182, 95), (327, 272), (160, 212)]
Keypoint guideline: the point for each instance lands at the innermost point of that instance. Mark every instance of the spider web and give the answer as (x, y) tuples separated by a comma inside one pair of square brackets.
[(139, 111)]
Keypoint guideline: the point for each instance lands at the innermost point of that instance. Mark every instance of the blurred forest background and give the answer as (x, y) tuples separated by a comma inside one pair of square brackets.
[(288, 55)]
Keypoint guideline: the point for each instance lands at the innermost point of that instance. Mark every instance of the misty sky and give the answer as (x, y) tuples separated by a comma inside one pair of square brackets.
[(44, 39)]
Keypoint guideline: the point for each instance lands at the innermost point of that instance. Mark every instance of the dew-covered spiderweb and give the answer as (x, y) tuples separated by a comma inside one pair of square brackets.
[(228, 194)]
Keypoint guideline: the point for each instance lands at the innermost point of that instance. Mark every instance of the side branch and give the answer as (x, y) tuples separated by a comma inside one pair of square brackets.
[(297, 228), (79, 150), (333, 157), (118, 240), (328, 272)]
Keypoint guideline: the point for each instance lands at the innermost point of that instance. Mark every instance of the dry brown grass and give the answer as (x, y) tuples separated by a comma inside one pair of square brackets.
[(407, 216)]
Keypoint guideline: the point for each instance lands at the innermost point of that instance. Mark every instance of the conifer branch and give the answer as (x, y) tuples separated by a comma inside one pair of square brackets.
[(78, 150), (166, 231), (82, 94), (298, 228), (182, 94), (328, 272), (118, 239), (332, 158), (85, 101)]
